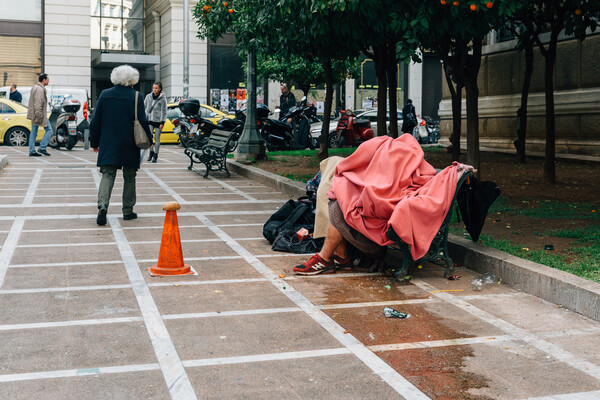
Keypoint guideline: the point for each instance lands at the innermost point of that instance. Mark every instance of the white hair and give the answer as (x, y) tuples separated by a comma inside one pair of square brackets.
[(124, 75)]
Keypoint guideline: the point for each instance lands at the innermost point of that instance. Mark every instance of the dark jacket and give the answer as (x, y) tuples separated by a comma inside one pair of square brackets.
[(111, 128), (409, 118), (285, 103), (16, 96)]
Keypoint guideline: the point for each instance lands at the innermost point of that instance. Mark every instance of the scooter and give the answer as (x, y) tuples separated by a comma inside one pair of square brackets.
[(279, 135), (63, 119), (350, 131)]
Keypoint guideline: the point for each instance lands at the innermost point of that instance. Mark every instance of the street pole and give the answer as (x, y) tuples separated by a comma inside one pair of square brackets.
[(250, 145), (186, 48)]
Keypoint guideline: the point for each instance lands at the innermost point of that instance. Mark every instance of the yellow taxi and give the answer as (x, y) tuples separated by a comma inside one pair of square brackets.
[(14, 125), (173, 112)]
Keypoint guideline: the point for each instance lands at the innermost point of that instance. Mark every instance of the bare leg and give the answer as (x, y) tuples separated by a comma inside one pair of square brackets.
[(334, 243)]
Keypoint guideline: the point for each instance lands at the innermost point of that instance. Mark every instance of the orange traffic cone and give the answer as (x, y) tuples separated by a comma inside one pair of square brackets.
[(170, 258)]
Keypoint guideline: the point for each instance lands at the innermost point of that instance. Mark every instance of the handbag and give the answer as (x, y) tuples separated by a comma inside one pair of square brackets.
[(139, 134)]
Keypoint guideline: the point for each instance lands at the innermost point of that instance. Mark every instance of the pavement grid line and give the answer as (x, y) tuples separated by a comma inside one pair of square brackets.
[(376, 364)]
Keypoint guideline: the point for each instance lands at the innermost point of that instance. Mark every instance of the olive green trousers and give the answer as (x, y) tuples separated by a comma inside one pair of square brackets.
[(107, 182)]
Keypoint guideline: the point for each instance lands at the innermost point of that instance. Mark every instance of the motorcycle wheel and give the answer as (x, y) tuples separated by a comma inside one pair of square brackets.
[(332, 141), (53, 142), (71, 142)]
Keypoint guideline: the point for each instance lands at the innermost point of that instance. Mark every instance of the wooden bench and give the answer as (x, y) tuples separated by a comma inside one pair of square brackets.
[(214, 153), (438, 250)]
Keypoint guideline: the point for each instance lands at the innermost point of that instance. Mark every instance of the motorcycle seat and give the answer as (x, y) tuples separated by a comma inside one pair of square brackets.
[(362, 122)]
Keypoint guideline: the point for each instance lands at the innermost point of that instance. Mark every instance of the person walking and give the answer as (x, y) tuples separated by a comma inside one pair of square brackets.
[(36, 112), (156, 112), (111, 137), (409, 117), (15, 95)]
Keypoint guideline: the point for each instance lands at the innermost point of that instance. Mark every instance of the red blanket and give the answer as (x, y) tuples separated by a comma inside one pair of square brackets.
[(387, 182)]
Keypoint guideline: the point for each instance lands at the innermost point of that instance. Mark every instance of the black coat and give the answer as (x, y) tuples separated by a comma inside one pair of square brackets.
[(15, 96), (111, 128)]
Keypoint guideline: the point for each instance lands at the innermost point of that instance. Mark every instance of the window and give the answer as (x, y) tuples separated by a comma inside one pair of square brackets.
[(21, 62), (121, 29), (23, 10), (6, 109), (173, 113)]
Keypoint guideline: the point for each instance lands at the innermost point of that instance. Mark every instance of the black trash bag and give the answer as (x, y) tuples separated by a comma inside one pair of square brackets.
[(293, 215), (474, 200), (287, 241)]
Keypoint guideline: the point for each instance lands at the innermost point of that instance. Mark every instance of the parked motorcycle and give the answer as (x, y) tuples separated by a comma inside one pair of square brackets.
[(279, 135), (63, 119), (350, 131), (433, 130)]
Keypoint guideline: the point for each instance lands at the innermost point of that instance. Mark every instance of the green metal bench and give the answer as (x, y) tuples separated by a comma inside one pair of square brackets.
[(214, 153), (438, 250)]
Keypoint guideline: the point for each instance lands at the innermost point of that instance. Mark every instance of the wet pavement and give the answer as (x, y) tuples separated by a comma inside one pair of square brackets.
[(80, 317)]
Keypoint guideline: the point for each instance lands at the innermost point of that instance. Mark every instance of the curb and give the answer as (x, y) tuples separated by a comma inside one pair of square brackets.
[(3, 161), (558, 287)]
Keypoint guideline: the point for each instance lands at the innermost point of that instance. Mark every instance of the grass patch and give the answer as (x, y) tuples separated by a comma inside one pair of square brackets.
[(583, 260)]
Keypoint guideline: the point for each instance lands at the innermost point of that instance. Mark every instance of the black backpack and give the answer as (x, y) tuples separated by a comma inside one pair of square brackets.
[(293, 215)]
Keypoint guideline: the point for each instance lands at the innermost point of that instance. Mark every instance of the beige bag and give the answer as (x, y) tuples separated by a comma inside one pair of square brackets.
[(139, 134)]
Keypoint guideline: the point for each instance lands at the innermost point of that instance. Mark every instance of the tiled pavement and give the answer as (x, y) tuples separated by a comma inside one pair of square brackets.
[(80, 317)]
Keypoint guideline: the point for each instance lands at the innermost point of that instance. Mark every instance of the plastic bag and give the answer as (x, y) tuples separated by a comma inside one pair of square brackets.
[(287, 241)]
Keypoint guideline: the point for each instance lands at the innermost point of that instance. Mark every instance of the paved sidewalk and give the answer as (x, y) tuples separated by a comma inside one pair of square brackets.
[(82, 319)]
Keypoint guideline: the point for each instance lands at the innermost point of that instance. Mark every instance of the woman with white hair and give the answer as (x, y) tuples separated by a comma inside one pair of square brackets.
[(111, 136)]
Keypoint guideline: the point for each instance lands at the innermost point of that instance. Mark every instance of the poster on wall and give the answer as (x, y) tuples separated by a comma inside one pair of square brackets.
[(241, 99), (232, 101), (224, 100), (260, 95), (215, 98), (320, 107)]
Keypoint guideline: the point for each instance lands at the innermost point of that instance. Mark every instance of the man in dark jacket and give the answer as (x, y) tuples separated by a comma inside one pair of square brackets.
[(286, 101), (111, 136), (409, 117), (15, 95)]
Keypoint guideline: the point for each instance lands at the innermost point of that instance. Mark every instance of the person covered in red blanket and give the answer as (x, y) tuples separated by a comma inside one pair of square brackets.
[(385, 183)]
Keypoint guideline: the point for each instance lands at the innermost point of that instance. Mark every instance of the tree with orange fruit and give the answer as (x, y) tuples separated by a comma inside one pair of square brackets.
[(456, 33)]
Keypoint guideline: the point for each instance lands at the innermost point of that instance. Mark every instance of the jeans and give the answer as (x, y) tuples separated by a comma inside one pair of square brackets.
[(109, 174), (33, 136), (157, 132)]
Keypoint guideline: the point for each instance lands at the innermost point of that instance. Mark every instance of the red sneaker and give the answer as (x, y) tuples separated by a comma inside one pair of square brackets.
[(314, 266), (343, 263)]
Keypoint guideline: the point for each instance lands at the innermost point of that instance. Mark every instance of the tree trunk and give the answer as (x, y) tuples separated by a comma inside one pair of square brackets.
[(392, 68), (323, 152), (549, 168), (380, 70), (456, 95), (472, 93), (522, 112)]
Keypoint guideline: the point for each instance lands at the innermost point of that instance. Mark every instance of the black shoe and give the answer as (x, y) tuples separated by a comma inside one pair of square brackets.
[(155, 157), (101, 218), (151, 155), (44, 152), (129, 217), (35, 154)]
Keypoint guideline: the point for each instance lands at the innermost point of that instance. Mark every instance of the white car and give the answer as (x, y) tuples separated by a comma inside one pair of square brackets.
[(371, 115)]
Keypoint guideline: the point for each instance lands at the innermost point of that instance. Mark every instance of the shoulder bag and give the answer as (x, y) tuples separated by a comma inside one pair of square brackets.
[(139, 134)]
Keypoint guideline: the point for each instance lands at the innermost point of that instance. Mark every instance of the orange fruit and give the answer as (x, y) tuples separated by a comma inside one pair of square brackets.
[(456, 3), (443, 2), (578, 12), (473, 7), (206, 8), (230, 11), (225, 4), (489, 4)]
